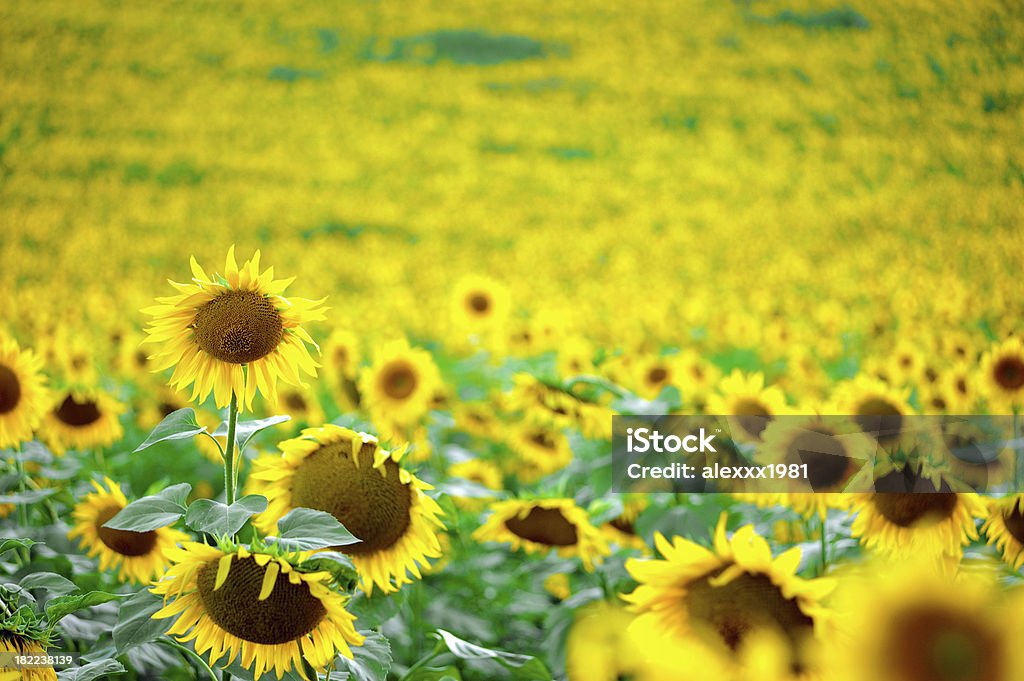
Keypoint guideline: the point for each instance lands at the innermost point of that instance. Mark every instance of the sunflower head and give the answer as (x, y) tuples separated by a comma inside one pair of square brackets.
[(217, 325), (261, 606), (1004, 528), (23, 395), (400, 386), (137, 556), (750, 404), (879, 409), (479, 303), (364, 486), (833, 448), (1002, 375), (82, 419), (23, 642)]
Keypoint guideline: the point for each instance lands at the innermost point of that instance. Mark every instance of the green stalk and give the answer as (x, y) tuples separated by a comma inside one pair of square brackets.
[(824, 546), (188, 652), (229, 452), (26, 553)]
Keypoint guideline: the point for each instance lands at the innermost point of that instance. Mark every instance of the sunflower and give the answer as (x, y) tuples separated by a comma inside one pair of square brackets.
[(927, 520), (542, 448), (483, 473), (22, 393), (343, 358), (621, 529), (575, 357), (1004, 528), (348, 475), (750, 405), (300, 403), (158, 405), (477, 418), (599, 646), (543, 525), (232, 601), (553, 405), (724, 596), (653, 374), (82, 420), (217, 325), (970, 457), (399, 387), (879, 409), (22, 643), (1002, 375), (479, 303), (138, 556), (909, 622)]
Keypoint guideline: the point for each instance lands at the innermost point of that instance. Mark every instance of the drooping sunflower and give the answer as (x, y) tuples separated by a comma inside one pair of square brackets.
[(21, 643), (348, 475), (599, 646), (138, 557), (217, 325), (81, 420), (750, 404), (927, 520), (1004, 528), (399, 387), (908, 622), (544, 403), (543, 525), (724, 596), (22, 393), (235, 602), (1002, 376)]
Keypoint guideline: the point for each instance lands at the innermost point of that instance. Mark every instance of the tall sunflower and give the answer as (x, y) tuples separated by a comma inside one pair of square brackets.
[(22, 393), (399, 387), (232, 601), (82, 419), (1004, 528), (1002, 375), (217, 325), (543, 525), (726, 595), (21, 643), (137, 556), (348, 475)]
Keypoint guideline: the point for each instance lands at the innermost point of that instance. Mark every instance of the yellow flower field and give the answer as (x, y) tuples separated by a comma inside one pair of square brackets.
[(317, 317)]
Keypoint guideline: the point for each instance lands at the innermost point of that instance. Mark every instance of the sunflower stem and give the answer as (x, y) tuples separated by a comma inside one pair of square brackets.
[(194, 655), (26, 552), (439, 648), (229, 452), (824, 546)]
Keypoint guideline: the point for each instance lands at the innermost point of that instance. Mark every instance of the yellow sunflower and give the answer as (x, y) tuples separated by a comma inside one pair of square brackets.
[(1002, 375), (878, 408), (542, 448), (302, 404), (930, 521), (483, 473), (965, 448), (137, 556), (234, 602), (479, 303), (398, 389), (724, 596), (477, 418), (82, 420), (23, 644), (217, 325), (654, 373), (621, 529), (908, 622), (22, 393), (543, 525), (599, 646), (750, 404), (343, 358), (348, 475), (547, 404), (575, 357), (1004, 528)]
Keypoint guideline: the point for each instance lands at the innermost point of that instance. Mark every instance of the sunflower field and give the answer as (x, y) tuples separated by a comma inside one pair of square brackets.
[(318, 317)]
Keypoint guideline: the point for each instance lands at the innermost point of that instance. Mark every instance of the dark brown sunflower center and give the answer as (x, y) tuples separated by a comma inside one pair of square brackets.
[(542, 440), (1009, 373), (78, 414), (748, 603), (10, 390), (295, 401), (657, 375), (905, 510), (480, 303), (125, 542), (289, 613), (752, 417), (825, 456), (961, 386), (544, 526), (238, 327), (930, 643), (373, 507), (623, 525), (880, 419), (1014, 521), (398, 380)]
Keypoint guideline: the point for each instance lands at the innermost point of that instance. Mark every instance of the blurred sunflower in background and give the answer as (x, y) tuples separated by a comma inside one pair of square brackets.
[(1002, 376), (544, 403), (348, 475), (216, 325), (541, 448), (343, 356), (877, 407), (23, 396), (233, 602), (399, 387), (599, 646), (545, 525), (82, 420), (136, 556), (479, 304), (1004, 528), (621, 530), (750, 404)]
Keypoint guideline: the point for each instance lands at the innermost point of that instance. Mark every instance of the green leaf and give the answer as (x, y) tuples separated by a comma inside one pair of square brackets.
[(50, 581), (213, 517), (434, 674), (338, 564), (135, 623), (153, 512), (372, 659), (65, 605), (305, 529), (372, 611), (523, 667), (91, 671), (177, 425), (245, 430), (29, 496), (11, 544)]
